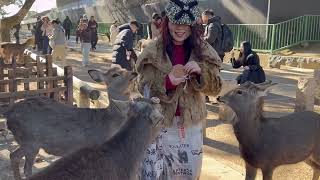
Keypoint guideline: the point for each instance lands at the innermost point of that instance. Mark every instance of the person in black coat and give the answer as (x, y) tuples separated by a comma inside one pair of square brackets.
[(67, 25), (124, 26), (38, 34), (250, 62), (123, 46)]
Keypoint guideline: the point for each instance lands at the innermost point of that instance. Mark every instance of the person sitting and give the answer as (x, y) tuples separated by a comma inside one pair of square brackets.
[(250, 62)]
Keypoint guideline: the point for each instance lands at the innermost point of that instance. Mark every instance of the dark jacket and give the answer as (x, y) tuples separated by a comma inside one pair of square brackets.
[(38, 27), (124, 26), (93, 25), (38, 33), (123, 43), (67, 24), (213, 34), (254, 74), (85, 35)]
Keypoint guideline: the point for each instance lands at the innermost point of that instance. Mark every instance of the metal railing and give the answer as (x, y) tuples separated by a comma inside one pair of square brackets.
[(275, 37), (263, 37)]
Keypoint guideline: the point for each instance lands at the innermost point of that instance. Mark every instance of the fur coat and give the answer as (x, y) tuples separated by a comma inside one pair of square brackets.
[(152, 68)]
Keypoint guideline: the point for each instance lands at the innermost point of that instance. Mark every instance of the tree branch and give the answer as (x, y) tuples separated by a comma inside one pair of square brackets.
[(18, 17)]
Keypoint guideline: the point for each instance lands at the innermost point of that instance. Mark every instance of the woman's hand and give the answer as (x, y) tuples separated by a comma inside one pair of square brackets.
[(176, 80), (246, 67), (192, 67), (128, 53)]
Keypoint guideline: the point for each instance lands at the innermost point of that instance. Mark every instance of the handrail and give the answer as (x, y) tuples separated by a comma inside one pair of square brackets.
[(290, 20), (274, 37)]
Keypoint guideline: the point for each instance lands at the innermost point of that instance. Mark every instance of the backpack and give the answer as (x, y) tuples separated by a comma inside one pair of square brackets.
[(226, 39)]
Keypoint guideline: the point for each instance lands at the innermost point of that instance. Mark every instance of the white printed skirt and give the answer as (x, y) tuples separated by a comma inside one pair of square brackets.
[(176, 154)]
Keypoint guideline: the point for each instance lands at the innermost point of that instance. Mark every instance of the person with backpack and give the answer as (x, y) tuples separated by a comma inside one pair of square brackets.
[(250, 62), (218, 35)]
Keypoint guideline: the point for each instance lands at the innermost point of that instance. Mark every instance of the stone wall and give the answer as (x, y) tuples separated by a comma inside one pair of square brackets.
[(276, 61)]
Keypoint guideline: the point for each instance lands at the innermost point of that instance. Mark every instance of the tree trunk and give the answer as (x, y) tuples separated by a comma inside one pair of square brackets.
[(7, 23), (4, 32)]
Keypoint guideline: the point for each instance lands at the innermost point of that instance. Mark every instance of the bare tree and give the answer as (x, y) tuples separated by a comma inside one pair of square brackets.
[(8, 22)]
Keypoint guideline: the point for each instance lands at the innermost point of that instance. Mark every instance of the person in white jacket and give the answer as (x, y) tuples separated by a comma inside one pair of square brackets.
[(114, 31), (58, 42)]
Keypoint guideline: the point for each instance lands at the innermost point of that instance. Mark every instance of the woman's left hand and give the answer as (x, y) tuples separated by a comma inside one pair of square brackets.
[(246, 67), (192, 67)]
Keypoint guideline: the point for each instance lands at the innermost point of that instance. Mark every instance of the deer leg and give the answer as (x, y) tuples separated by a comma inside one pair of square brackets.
[(267, 173), (251, 172), (15, 158), (30, 158)]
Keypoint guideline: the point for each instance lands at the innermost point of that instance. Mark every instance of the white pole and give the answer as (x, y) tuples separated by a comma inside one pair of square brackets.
[(268, 13), (268, 19)]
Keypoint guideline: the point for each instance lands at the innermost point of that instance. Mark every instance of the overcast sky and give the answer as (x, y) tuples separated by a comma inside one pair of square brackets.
[(38, 5)]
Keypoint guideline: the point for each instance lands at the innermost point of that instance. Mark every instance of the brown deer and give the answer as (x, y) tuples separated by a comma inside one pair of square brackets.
[(61, 129), (267, 143), (10, 50), (118, 158)]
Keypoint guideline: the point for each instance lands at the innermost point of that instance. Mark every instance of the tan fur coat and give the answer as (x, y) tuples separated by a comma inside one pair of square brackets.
[(152, 68)]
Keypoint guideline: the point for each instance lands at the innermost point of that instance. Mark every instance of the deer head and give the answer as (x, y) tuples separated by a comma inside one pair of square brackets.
[(119, 81), (31, 42), (246, 99)]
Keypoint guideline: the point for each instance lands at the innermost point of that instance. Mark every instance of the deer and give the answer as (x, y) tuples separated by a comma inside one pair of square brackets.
[(10, 50), (266, 143), (118, 158), (61, 129)]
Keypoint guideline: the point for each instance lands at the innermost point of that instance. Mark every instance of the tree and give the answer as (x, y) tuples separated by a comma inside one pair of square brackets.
[(8, 22), (6, 3)]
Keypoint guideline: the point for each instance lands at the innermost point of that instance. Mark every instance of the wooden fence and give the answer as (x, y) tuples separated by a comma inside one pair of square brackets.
[(34, 78), (84, 96)]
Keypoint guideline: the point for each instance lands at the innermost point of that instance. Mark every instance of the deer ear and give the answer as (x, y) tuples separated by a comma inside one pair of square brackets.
[(96, 75), (265, 87)]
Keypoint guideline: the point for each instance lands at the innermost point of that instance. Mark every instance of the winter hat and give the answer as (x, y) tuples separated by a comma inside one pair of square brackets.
[(183, 11), (155, 16)]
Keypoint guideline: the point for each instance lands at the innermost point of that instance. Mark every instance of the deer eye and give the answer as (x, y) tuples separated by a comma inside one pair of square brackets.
[(239, 92), (115, 75)]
